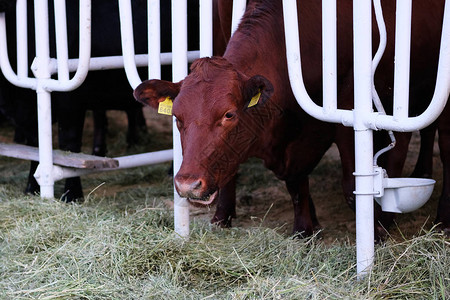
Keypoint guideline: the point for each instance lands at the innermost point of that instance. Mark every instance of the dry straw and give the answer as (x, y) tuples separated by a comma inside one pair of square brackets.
[(96, 250)]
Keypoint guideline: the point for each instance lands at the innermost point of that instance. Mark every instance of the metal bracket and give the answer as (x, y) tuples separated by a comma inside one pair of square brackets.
[(378, 181)]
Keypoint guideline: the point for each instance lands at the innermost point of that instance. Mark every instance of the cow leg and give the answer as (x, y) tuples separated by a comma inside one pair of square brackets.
[(443, 211), (20, 137), (32, 185), (226, 205), (100, 130), (312, 211), (346, 147), (424, 164), (136, 125), (69, 136), (30, 137), (305, 219), (313, 144)]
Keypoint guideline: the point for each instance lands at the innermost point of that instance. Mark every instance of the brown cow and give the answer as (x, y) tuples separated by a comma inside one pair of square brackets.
[(424, 165), (241, 105)]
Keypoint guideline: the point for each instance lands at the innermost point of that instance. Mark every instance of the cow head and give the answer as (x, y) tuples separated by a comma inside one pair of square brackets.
[(215, 110)]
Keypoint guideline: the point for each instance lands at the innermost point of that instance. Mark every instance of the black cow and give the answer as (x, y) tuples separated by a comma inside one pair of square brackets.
[(101, 91)]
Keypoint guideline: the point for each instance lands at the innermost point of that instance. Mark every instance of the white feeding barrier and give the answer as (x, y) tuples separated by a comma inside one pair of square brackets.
[(180, 58), (44, 66), (369, 178)]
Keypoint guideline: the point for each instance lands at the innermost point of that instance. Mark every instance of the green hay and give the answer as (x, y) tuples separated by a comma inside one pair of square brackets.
[(51, 250)]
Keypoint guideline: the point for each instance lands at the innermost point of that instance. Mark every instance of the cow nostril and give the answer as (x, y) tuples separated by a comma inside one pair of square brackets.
[(196, 185), (189, 187)]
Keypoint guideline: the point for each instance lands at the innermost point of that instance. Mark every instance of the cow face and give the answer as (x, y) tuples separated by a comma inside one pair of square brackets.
[(216, 112)]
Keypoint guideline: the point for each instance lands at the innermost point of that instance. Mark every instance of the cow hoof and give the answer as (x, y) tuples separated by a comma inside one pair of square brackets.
[(302, 233), (69, 196), (443, 228), (221, 222), (99, 151), (317, 227), (351, 202), (380, 234), (446, 231), (32, 189)]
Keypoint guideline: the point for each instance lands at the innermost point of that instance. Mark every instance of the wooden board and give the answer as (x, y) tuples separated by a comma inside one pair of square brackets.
[(62, 158)]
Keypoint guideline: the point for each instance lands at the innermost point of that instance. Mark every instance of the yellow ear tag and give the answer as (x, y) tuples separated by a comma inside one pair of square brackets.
[(165, 107), (254, 100)]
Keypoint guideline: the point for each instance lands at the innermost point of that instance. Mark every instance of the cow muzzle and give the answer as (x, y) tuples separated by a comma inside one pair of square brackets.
[(195, 190)]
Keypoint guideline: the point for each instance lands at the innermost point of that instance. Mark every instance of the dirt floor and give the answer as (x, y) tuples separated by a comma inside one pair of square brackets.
[(272, 205), (262, 199), (268, 203)]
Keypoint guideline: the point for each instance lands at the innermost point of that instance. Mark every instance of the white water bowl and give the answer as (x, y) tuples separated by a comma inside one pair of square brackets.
[(402, 195)]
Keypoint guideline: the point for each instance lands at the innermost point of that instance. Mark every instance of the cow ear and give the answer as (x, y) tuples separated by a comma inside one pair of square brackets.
[(153, 92), (257, 90)]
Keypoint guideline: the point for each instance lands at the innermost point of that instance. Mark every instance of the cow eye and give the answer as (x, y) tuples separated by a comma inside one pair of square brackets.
[(228, 118), (230, 115)]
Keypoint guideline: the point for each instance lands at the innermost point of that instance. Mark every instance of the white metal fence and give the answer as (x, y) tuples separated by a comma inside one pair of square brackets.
[(361, 118)]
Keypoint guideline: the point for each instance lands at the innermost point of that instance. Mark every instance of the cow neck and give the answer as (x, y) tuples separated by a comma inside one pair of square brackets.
[(254, 50)]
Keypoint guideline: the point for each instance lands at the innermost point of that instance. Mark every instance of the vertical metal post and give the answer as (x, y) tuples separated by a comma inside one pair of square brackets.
[(42, 72), (179, 70), (21, 37), (154, 39), (238, 12), (206, 28), (329, 58), (62, 51), (402, 58), (362, 28)]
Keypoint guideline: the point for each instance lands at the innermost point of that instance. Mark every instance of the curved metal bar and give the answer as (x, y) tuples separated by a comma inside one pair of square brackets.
[(379, 53), (295, 71), (5, 64), (440, 96), (84, 54), (376, 60), (126, 31), (43, 61), (21, 38)]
